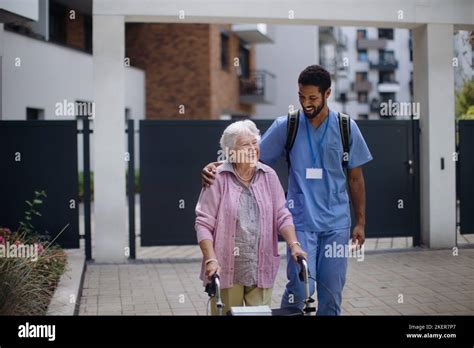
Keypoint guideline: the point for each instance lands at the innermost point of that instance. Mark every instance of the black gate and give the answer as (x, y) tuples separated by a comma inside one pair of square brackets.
[(392, 178), (36, 156), (466, 175), (172, 154)]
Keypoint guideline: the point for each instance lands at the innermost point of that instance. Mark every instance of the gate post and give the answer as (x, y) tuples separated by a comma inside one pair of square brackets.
[(87, 186), (131, 189), (110, 205), (434, 90)]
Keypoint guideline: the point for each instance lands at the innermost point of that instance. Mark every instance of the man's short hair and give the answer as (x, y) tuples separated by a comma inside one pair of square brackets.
[(315, 75)]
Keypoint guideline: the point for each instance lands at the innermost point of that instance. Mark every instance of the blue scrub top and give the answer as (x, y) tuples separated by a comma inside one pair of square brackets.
[(316, 204)]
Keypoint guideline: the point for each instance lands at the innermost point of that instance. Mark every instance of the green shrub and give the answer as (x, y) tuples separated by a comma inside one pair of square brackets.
[(81, 184), (30, 266)]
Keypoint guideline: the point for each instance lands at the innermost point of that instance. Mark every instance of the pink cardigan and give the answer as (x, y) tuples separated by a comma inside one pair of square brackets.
[(216, 215)]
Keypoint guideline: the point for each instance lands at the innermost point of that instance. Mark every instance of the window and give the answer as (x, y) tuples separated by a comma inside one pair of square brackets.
[(362, 97), (385, 97), (57, 22), (387, 56), (361, 34), (361, 76), (362, 56), (386, 34), (224, 51), (33, 114), (386, 76), (88, 33), (343, 97), (244, 61), (410, 46)]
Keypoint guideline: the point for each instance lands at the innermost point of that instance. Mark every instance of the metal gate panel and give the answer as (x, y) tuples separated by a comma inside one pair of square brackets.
[(466, 176), (392, 198), (48, 153), (172, 154)]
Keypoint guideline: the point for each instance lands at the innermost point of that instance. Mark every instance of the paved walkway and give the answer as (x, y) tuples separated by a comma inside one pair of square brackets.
[(410, 282)]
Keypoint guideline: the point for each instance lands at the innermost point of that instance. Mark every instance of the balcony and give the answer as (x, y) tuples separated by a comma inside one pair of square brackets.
[(388, 87), (362, 86), (327, 34), (384, 64), (258, 88), (367, 44), (253, 33), (333, 35)]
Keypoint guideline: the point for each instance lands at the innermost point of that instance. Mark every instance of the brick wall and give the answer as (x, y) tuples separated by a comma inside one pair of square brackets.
[(225, 82), (182, 67), (75, 34)]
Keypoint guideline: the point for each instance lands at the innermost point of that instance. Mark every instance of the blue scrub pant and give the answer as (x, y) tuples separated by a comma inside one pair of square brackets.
[(329, 272)]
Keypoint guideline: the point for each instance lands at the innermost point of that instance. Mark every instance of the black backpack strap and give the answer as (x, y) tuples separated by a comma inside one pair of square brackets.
[(345, 130), (291, 131)]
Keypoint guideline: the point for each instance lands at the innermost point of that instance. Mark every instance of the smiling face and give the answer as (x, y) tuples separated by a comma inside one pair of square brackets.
[(312, 100), (247, 149)]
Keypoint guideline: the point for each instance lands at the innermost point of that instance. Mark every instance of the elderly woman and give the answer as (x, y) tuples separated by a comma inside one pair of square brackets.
[(238, 220)]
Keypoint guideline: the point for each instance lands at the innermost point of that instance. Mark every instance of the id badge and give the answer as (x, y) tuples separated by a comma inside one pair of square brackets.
[(314, 173)]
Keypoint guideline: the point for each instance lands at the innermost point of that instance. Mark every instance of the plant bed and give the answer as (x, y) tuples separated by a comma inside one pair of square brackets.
[(30, 267)]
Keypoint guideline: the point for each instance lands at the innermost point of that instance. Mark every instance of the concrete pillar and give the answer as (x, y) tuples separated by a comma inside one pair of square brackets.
[(110, 209), (434, 90)]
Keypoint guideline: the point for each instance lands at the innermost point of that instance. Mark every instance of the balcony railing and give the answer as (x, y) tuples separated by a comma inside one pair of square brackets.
[(365, 44), (384, 64), (362, 86), (254, 33), (390, 86), (258, 88)]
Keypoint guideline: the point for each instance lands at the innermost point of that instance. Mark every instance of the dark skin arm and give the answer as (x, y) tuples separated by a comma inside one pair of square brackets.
[(357, 192), (208, 173)]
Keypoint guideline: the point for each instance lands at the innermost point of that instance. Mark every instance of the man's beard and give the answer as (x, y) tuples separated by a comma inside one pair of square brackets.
[(316, 112)]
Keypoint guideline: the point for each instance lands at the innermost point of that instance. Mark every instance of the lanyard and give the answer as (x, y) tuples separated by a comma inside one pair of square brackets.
[(313, 155)]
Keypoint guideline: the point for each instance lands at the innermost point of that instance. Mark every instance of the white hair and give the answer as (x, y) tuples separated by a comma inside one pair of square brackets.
[(229, 137)]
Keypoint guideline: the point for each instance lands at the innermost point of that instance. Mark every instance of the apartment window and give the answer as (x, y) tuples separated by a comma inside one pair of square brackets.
[(361, 76), (88, 33), (343, 97), (410, 46), (385, 97), (362, 56), (386, 56), (33, 114), (386, 76), (362, 97), (244, 61), (361, 34), (224, 50), (386, 34), (57, 22)]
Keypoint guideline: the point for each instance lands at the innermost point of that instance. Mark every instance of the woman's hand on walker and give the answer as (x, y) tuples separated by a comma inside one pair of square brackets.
[(297, 251), (212, 268)]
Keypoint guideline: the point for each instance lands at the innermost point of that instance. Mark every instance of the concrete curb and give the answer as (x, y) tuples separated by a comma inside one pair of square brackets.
[(70, 284)]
